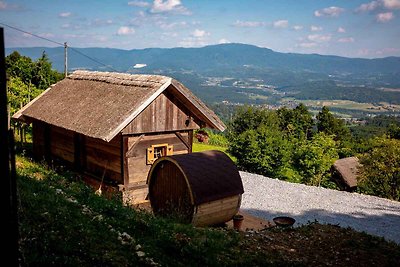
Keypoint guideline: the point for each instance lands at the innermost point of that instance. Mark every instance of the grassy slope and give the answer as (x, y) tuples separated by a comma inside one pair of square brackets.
[(63, 223)]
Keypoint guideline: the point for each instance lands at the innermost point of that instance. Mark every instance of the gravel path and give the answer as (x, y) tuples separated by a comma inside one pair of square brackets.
[(267, 198)]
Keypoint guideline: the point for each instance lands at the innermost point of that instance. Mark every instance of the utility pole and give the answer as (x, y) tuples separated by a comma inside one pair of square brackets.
[(7, 174), (65, 59)]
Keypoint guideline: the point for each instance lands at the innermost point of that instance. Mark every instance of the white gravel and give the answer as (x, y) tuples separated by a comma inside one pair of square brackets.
[(268, 198)]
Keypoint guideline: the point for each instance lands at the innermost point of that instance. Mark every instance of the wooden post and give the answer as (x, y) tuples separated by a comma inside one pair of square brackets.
[(8, 199), (65, 59)]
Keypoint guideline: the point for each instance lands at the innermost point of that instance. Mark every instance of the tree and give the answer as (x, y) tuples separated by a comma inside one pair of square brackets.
[(330, 125), (314, 158), (296, 122), (380, 174), (263, 150)]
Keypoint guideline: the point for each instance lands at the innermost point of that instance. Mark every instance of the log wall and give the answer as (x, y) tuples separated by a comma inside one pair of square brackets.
[(85, 154)]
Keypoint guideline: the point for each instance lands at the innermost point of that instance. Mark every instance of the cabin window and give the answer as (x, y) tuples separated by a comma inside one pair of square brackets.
[(157, 151)]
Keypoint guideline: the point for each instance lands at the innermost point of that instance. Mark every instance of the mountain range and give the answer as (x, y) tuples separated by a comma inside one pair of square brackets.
[(208, 59)]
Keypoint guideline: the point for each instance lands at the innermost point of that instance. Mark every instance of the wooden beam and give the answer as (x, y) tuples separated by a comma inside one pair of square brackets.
[(132, 148), (178, 134)]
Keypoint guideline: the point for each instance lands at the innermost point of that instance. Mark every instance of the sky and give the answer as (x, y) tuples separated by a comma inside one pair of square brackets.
[(351, 28)]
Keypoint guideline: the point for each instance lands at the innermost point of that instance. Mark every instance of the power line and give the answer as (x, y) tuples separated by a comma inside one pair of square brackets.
[(93, 59), (14, 28), (55, 42)]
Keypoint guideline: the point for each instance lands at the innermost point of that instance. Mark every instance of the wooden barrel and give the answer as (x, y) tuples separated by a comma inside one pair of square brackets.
[(201, 188)]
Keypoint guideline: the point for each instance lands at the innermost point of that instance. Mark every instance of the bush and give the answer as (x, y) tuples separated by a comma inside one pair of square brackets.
[(380, 174)]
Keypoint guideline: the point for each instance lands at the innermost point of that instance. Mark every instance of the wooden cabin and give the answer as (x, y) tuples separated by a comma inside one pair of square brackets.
[(203, 188), (345, 172), (113, 126)]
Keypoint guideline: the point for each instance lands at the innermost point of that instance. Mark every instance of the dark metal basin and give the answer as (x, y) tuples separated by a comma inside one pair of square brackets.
[(284, 221)]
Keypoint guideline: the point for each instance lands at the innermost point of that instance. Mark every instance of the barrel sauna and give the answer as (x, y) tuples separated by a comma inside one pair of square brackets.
[(202, 188)]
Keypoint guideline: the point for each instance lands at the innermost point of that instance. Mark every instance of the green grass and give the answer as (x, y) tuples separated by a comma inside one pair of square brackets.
[(199, 147), (63, 222)]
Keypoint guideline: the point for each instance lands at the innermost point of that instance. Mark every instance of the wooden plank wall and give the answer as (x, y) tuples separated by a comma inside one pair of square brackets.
[(137, 169), (165, 113), (95, 156), (104, 157)]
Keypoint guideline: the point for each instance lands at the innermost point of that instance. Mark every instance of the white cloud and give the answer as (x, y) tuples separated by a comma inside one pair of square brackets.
[(167, 26), (138, 3), (384, 17), (332, 11), (386, 4), (391, 4), (101, 22), (250, 24), (124, 30), (368, 6), (319, 38), (169, 6), (65, 14), (346, 40), (280, 24), (341, 30), (297, 27), (307, 45), (200, 33), (314, 28), (3, 5), (223, 41), (139, 66)]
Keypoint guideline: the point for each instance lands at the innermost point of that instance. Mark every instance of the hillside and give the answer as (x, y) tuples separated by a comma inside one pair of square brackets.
[(210, 58), (63, 223), (236, 74)]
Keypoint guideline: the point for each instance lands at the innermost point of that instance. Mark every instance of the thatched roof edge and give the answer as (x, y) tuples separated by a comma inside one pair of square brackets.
[(137, 111)]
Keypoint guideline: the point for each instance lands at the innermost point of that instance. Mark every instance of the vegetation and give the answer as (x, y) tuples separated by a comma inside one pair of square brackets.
[(27, 78), (64, 223), (282, 144), (381, 169), (288, 144)]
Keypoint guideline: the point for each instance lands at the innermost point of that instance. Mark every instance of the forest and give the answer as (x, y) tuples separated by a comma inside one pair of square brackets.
[(287, 144)]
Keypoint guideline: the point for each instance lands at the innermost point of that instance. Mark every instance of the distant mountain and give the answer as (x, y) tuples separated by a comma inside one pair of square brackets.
[(214, 59)]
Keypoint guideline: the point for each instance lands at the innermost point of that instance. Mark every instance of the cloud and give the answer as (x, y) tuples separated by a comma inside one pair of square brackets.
[(307, 45), (316, 28), (297, 27), (139, 66), (3, 5), (6, 6), (381, 4), (368, 6), (167, 26), (384, 17), (332, 11), (200, 33), (319, 38), (169, 6), (280, 24), (65, 14), (101, 22), (138, 3), (249, 24), (391, 4), (124, 30), (346, 40), (341, 30), (223, 41)]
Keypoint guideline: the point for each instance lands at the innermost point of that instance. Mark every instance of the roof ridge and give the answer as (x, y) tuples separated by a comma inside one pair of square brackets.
[(139, 80)]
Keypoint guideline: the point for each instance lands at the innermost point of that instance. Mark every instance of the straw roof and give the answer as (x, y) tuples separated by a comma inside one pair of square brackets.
[(348, 170), (101, 104)]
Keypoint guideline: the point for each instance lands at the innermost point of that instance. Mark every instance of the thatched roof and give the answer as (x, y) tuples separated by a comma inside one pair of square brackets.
[(348, 170), (101, 104)]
